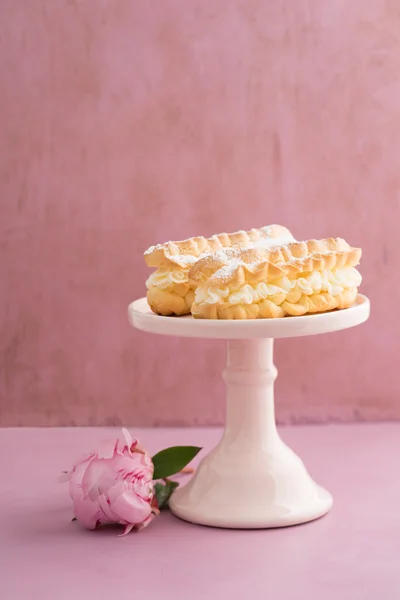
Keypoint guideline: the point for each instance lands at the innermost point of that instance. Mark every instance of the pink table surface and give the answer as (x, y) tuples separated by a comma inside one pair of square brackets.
[(352, 553)]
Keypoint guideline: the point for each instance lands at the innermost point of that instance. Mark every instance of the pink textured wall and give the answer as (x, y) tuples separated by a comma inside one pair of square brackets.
[(128, 123)]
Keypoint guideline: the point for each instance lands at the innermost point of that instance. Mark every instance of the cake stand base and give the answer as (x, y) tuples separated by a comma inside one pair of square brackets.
[(272, 500), (251, 479)]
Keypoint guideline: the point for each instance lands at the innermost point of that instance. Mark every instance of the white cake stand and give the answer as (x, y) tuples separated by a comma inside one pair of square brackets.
[(251, 479)]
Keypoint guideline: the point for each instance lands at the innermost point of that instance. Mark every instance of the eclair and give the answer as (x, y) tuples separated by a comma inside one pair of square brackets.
[(169, 291), (288, 280)]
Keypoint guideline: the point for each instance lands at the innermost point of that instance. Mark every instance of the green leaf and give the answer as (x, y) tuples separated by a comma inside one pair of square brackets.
[(172, 460), (164, 492)]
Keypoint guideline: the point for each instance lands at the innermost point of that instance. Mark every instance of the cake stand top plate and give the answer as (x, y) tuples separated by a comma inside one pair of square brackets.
[(141, 317)]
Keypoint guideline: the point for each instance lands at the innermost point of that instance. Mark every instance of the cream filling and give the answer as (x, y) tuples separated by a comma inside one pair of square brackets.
[(166, 277), (333, 282)]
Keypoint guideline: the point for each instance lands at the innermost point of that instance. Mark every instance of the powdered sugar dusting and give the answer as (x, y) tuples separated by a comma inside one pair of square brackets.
[(227, 270), (268, 242), (184, 260)]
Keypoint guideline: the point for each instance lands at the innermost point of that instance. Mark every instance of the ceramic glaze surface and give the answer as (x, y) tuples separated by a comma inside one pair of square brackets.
[(141, 316), (251, 479)]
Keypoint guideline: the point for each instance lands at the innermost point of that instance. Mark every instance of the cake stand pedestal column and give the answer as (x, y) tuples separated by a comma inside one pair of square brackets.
[(251, 479)]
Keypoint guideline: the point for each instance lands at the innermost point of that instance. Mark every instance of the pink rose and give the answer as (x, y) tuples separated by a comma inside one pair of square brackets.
[(114, 485)]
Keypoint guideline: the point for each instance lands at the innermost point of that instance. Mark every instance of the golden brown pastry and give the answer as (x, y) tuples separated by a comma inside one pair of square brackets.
[(292, 279), (169, 290)]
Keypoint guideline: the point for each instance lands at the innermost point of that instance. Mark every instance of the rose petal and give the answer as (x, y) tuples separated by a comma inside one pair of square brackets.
[(99, 474), (127, 437), (106, 481), (107, 449), (84, 460), (134, 474), (125, 442), (127, 529), (142, 489), (87, 513), (146, 522), (145, 460), (76, 477), (102, 473), (109, 516), (129, 507)]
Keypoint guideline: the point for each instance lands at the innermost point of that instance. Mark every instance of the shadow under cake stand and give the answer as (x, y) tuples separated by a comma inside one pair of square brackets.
[(251, 479)]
